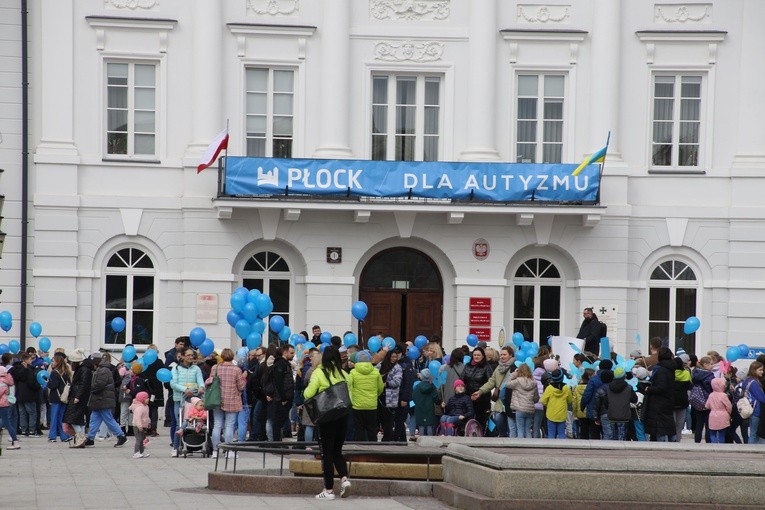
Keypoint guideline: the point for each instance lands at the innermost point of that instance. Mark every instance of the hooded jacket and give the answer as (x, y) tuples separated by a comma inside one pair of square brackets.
[(619, 396), (719, 406), (681, 387), (556, 400), (365, 385), (393, 385), (425, 396), (525, 393), (587, 401), (460, 405), (102, 392), (660, 413), (6, 383)]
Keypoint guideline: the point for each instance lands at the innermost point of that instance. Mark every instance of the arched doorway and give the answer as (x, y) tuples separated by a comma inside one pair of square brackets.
[(403, 290)]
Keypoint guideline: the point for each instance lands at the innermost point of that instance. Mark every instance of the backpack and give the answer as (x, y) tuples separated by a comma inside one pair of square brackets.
[(741, 399), (603, 330), (698, 397)]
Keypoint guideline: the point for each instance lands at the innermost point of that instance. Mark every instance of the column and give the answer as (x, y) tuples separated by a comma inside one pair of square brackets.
[(605, 100), (750, 151), (481, 142), (334, 138)]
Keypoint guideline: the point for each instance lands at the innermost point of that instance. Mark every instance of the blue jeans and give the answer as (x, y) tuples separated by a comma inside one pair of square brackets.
[(619, 431), (539, 415), (5, 421), (605, 426), (242, 420), (99, 416), (228, 433), (56, 418), (174, 424), (28, 417), (639, 430), (309, 433), (258, 430), (524, 421), (556, 429), (754, 423), (505, 425), (426, 430), (717, 436), (665, 439)]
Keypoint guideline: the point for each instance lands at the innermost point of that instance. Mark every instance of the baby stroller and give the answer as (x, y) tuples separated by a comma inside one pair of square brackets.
[(194, 439)]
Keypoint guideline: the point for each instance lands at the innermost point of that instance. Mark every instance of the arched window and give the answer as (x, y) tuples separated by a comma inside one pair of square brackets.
[(270, 274), (130, 280), (672, 297), (537, 299)]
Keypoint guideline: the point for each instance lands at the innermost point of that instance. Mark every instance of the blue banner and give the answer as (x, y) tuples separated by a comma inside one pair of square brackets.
[(491, 182)]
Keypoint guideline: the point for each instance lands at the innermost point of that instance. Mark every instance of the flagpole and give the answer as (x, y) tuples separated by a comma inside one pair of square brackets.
[(603, 165)]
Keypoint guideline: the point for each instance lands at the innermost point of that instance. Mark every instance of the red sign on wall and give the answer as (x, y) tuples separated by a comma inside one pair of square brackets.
[(480, 319), (483, 334), (479, 304)]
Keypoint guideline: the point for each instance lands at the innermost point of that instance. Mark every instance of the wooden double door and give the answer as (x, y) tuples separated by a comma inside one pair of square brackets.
[(403, 314)]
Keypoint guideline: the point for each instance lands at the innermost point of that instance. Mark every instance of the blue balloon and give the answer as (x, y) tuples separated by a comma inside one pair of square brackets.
[(472, 340), (241, 290), (243, 329), (466, 359), (285, 333), (118, 324), (237, 302), (413, 352), (264, 305), (533, 349), (207, 347), (14, 346), (259, 326), (276, 323), (252, 296), (250, 312), (325, 337), (389, 343), (518, 339), (197, 336), (374, 344), (309, 345), (420, 341), (35, 329), (434, 366), (164, 375), (416, 383), (322, 347), (232, 318), (732, 354), (254, 340), (350, 339), (4, 348), (149, 357), (42, 377), (743, 350), (44, 344), (297, 339), (128, 353), (6, 320), (359, 310), (243, 352), (692, 324)]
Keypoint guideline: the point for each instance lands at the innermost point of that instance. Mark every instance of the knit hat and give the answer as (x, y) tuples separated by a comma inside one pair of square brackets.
[(556, 376), (680, 351), (136, 368), (606, 364), (685, 357), (425, 375), (619, 373), (194, 400), (606, 376), (641, 373), (123, 371), (342, 349), (636, 354), (550, 364), (97, 355), (77, 355), (142, 397), (458, 382), (363, 357)]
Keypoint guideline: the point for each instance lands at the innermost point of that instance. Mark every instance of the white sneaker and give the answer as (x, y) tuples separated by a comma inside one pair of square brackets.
[(174, 453), (345, 488), (214, 454), (101, 438), (325, 495), (232, 455), (137, 455)]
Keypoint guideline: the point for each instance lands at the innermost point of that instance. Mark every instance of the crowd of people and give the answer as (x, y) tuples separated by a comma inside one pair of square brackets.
[(395, 396)]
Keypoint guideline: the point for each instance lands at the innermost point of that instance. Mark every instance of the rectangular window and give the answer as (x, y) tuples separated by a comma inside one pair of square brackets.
[(270, 100), (539, 130), (676, 122), (406, 117), (131, 109)]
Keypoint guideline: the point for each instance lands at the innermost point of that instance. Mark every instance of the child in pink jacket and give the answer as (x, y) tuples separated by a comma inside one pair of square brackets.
[(720, 408), (141, 423), (6, 401)]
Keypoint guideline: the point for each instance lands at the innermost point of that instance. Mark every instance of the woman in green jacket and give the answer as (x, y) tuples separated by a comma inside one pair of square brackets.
[(365, 385), (331, 433)]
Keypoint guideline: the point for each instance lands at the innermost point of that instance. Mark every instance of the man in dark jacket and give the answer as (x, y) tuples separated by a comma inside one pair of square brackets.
[(590, 331), (659, 415), (27, 394), (103, 398), (279, 387)]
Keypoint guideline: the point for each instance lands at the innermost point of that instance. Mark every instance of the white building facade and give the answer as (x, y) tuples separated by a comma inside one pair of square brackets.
[(128, 94)]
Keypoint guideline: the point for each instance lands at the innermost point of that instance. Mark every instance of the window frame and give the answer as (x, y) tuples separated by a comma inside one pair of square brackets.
[(674, 285), (421, 75), (267, 276), (537, 282), (130, 273), (269, 135), (131, 133), (541, 101)]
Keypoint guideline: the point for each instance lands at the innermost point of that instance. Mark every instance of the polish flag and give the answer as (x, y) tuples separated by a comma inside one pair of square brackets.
[(212, 152)]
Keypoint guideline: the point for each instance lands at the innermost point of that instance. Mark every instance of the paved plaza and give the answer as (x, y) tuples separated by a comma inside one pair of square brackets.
[(52, 476)]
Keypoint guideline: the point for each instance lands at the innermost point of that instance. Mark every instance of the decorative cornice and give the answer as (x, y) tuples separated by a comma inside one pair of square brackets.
[(273, 7), (102, 24), (529, 13), (710, 37), (437, 10), (682, 14), (427, 51), (131, 4)]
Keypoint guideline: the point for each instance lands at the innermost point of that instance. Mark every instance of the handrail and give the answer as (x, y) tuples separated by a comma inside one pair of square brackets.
[(288, 448)]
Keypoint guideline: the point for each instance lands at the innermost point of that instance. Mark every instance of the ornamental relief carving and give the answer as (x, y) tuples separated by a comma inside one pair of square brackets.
[(426, 51), (131, 4), (690, 14), (532, 13), (436, 10), (273, 7)]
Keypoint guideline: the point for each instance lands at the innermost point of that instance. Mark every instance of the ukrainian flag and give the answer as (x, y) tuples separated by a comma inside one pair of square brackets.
[(598, 157)]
